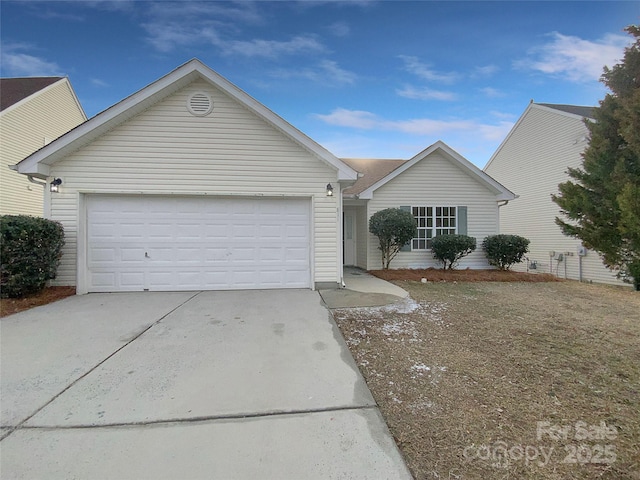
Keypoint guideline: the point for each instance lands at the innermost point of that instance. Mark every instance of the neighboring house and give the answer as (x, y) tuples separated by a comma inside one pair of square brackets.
[(532, 161), (33, 112), (192, 184), (444, 192)]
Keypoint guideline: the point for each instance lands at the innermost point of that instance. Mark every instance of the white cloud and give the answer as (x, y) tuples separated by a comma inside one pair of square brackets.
[(339, 29), (426, 94), (364, 120), (491, 92), (245, 12), (342, 117), (18, 64), (59, 16), (424, 71), (165, 37), (573, 58), (271, 48), (502, 115), (326, 72), (486, 71), (96, 82), (175, 25)]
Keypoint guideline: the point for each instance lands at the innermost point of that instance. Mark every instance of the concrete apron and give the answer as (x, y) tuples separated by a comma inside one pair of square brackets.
[(250, 384)]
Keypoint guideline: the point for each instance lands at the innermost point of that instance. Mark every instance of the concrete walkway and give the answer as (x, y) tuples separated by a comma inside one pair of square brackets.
[(233, 385), (362, 290)]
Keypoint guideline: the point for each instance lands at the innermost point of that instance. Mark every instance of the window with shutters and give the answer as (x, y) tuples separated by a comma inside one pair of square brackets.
[(432, 221)]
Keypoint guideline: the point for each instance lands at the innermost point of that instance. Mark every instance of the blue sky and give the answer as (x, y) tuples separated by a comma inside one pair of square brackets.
[(362, 78)]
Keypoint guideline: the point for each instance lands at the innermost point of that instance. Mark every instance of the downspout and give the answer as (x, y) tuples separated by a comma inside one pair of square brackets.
[(340, 215), (46, 197), (580, 268)]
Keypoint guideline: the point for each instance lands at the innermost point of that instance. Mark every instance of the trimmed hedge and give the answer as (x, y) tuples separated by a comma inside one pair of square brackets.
[(503, 251), (30, 252), (449, 249)]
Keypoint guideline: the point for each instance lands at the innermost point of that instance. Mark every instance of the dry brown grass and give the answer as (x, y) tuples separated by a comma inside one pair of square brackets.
[(467, 275), (10, 306), (466, 366)]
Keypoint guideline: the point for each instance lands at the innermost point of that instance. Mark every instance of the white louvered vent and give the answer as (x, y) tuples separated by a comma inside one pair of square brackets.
[(200, 104)]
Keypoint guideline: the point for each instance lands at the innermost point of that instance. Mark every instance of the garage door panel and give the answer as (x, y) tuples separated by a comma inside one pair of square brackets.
[(179, 243), (131, 280), (296, 255)]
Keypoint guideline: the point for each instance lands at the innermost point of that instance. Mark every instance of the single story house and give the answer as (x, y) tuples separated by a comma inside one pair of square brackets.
[(533, 160), (33, 112), (445, 193), (191, 184)]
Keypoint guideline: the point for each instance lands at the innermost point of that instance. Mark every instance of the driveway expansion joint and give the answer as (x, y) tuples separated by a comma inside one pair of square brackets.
[(204, 418), (20, 426)]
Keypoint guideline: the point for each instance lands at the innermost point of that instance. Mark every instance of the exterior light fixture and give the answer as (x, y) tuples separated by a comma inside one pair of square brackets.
[(329, 190), (55, 183)]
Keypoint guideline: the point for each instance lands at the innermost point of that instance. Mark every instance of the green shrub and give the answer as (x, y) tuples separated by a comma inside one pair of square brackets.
[(449, 249), (30, 251), (503, 251), (394, 228)]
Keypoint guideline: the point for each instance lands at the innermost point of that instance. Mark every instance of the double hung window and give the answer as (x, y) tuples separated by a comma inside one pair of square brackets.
[(432, 221)]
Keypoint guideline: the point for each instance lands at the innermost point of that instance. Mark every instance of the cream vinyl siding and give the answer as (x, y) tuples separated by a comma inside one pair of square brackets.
[(531, 163), (231, 152), (435, 181), (25, 128)]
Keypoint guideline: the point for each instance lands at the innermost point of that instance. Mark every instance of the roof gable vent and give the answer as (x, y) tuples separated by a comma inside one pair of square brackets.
[(200, 104)]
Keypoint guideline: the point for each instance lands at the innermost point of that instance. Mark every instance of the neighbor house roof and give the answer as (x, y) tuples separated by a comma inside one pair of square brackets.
[(38, 163), (371, 169), (394, 168), (12, 90), (573, 109)]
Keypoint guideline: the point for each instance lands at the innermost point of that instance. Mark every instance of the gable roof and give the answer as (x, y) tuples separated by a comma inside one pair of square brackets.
[(501, 192), (12, 90), (569, 111), (37, 164), (372, 170), (572, 109)]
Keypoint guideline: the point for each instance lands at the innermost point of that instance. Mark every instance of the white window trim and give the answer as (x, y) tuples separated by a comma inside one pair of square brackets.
[(433, 228)]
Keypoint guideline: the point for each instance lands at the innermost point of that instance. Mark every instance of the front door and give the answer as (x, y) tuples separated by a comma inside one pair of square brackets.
[(349, 235)]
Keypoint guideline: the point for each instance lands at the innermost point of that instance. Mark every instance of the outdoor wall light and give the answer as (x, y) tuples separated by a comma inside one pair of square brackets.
[(329, 190), (55, 183)]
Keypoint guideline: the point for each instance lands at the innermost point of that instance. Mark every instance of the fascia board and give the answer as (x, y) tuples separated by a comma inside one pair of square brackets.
[(29, 164), (511, 132)]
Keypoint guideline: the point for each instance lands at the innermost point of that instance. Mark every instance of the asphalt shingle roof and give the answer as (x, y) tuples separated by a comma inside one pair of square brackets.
[(573, 109), (12, 90), (372, 170)]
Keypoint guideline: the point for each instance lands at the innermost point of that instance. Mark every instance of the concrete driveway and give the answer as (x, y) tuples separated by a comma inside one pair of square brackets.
[(242, 384)]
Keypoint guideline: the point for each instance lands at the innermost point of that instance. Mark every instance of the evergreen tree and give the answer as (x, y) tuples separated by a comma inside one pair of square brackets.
[(602, 203)]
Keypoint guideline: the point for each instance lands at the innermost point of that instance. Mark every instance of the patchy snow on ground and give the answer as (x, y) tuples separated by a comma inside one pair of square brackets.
[(429, 311), (420, 369)]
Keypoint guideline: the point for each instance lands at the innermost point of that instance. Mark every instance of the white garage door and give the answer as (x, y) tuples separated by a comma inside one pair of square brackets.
[(181, 243)]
